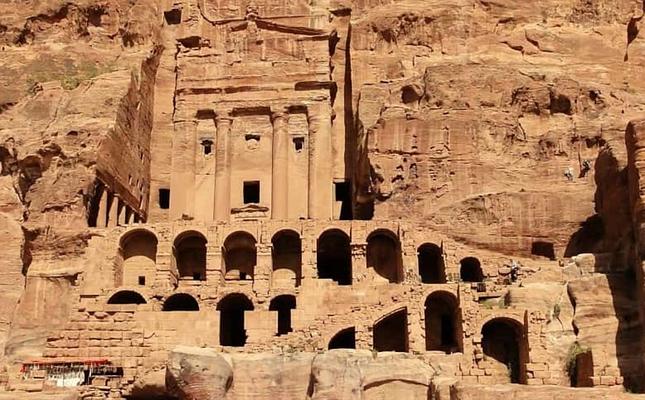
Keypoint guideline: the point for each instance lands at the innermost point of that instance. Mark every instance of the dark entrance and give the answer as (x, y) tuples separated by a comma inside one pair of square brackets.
[(231, 321)]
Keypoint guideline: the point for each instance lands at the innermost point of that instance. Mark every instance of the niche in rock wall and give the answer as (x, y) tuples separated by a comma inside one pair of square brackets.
[(172, 17), (251, 159)]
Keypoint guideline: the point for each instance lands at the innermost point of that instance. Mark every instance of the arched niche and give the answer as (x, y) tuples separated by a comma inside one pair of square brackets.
[(232, 329), (442, 323), (139, 253), (334, 257), (181, 302), (384, 255), (240, 256), (190, 256), (286, 258), (431, 264)]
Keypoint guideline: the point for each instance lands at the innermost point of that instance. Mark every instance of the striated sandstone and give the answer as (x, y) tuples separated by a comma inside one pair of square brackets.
[(359, 199)]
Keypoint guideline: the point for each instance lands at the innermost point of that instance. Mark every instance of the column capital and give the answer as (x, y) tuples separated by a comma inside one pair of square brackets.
[(223, 115), (279, 113), (358, 249)]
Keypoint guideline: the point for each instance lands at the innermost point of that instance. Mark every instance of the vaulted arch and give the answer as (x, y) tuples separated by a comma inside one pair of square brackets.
[(391, 332), (344, 339), (190, 256), (384, 255), (442, 322), (232, 330), (286, 258), (334, 257), (431, 265), (470, 270), (126, 297), (139, 253), (181, 302), (505, 348), (240, 256)]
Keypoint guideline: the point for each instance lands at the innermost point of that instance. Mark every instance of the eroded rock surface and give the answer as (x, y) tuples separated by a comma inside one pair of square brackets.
[(358, 199)]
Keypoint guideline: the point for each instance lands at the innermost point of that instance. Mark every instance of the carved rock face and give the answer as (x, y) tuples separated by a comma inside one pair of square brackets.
[(197, 374)]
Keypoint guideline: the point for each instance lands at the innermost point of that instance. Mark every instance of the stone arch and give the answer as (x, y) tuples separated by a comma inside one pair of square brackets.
[(126, 297), (334, 256), (283, 304), (138, 250), (470, 270), (181, 302), (391, 332), (286, 258), (189, 251), (240, 256), (232, 330), (442, 322), (505, 347), (431, 265), (343, 339), (384, 255)]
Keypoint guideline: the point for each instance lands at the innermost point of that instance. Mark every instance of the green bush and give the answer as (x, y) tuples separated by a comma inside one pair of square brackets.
[(574, 352)]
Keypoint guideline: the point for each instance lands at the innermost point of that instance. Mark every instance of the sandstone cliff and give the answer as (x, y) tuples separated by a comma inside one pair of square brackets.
[(501, 129)]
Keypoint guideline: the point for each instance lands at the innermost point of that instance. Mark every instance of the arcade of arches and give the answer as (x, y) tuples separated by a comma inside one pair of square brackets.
[(432, 323), (138, 252)]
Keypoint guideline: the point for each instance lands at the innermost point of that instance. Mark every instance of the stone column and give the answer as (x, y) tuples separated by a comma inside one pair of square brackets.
[(263, 268), (114, 211), (123, 214), (101, 218), (320, 161), (223, 121), (131, 217), (359, 261), (182, 178), (164, 277), (309, 256), (364, 337), (416, 330), (279, 172), (214, 273), (409, 257)]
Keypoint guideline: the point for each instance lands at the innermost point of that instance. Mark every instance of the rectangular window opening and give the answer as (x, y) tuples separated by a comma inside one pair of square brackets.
[(342, 190), (172, 17), (207, 145), (164, 199), (142, 280), (343, 194), (251, 192), (298, 143)]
